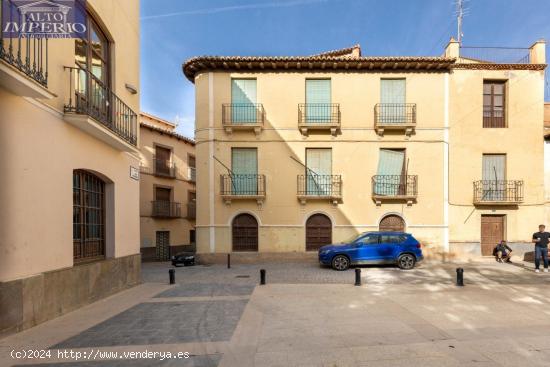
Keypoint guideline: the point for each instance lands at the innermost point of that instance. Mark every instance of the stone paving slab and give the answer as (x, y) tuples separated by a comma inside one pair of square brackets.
[(208, 290), (163, 323), (192, 361)]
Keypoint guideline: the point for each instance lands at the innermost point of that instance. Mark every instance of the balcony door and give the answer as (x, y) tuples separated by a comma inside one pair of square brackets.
[(162, 160), (93, 71), (244, 166), (390, 179), (163, 196), (319, 171), (392, 100), (243, 101), (494, 177), (318, 100)]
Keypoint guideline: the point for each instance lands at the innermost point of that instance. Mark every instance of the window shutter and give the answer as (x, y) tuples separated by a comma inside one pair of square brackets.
[(493, 174), (244, 164), (319, 162), (393, 99), (243, 100), (318, 99), (390, 163)]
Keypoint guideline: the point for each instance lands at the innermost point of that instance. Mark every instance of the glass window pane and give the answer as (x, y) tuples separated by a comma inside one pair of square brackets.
[(487, 88), (486, 100), (80, 52), (498, 88), (498, 100)]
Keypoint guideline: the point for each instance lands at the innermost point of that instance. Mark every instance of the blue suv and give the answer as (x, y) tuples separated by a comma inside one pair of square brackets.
[(373, 248)]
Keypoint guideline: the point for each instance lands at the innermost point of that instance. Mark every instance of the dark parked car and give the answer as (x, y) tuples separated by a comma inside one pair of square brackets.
[(185, 258), (373, 248)]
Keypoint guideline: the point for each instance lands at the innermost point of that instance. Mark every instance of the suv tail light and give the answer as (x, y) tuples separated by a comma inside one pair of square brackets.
[(418, 245)]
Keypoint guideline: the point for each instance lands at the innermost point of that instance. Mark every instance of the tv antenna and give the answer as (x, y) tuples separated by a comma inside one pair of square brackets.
[(461, 11)]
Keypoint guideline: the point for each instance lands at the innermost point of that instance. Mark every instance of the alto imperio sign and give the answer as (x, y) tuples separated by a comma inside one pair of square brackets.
[(43, 18)]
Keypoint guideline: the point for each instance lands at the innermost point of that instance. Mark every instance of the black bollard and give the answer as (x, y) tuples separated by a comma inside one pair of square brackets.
[(262, 276), (229, 261), (172, 274), (357, 277), (460, 277)]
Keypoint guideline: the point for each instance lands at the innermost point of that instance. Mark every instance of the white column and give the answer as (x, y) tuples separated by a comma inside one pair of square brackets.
[(211, 187), (446, 166)]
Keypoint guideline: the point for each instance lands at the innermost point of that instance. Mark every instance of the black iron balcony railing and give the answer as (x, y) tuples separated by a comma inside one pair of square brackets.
[(319, 114), (166, 209), (498, 55), (88, 95), (395, 186), (242, 185), (164, 167), (191, 210), (243, 114), (320, 185), (498, 191), (27, 54), (395, 114)]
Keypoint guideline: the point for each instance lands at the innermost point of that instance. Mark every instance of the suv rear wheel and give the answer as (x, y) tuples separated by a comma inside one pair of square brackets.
[(406, 261), (340, 262)]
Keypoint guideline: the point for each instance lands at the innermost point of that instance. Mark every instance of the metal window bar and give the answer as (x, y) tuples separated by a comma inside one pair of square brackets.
[(320, 185), (498, 190), (395, 113), (319, 113), (497, 55), (166, 209), (88, 95), (27, 54), (164, 167), (395, 185), (243, 184), (242, 113)]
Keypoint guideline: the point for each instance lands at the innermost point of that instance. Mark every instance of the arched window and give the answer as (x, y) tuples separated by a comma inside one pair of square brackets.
[(318, 232), (245, 233), (88, 217), (392, 223)]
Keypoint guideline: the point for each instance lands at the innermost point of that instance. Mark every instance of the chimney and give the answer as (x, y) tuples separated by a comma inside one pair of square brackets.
[(356, 51), (452, 49), (537, 52)]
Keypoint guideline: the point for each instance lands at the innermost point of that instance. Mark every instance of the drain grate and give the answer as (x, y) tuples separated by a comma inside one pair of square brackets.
[(242, 276)]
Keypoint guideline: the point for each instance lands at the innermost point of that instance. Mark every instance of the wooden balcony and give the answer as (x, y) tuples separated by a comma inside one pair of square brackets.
[(165, 209), (395, 116), (394, 188), (319, 117), (243, 117), (498, 192), (320, 187), (242, 187)]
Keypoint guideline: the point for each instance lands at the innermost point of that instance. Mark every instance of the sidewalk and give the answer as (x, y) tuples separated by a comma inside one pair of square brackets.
[(308, 316)]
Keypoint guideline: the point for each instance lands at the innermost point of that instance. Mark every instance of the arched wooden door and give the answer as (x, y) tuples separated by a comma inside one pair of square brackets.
[(318, 232), (392, 223), (245, 233)]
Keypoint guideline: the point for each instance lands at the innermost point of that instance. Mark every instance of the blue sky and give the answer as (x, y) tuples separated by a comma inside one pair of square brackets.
[(174, 30)]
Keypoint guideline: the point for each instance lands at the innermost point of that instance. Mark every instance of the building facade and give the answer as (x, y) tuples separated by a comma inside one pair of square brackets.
[(167, 190), (297, 152), (69, 228)]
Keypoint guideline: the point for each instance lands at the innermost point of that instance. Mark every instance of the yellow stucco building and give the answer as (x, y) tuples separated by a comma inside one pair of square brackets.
[(69, 137), (296, 152), (167, 190)]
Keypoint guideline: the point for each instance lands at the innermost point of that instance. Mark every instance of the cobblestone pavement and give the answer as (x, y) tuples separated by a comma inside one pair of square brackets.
[(308, 315), (482, 272)]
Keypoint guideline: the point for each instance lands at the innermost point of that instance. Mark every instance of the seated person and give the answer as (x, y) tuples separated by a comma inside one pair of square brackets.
[(502, 252)]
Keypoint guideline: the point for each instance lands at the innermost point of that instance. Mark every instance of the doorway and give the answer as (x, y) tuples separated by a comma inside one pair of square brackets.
[(492, 232), (163, 245)]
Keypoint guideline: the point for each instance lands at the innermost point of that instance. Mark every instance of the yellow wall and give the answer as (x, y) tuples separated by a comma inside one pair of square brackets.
[(41, 151), (447, 147), (179, 227)]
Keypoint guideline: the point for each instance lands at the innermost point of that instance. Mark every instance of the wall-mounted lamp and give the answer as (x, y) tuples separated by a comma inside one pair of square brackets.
[(131, 88)]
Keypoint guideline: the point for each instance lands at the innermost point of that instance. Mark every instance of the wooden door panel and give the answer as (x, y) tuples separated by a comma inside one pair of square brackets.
[(492, 232)]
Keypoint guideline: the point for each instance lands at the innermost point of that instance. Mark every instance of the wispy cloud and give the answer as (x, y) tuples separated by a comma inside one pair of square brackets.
[(222, 9)]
